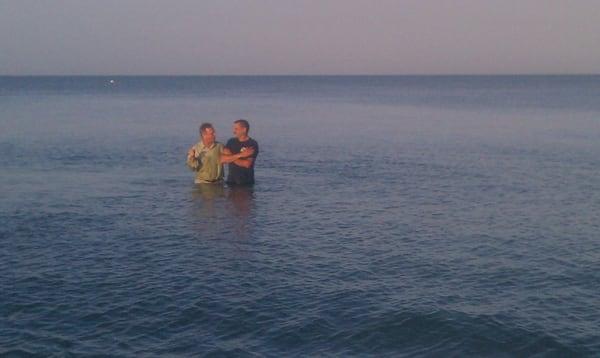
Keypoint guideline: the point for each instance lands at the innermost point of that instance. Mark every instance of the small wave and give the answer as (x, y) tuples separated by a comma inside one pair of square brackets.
[(445, 333)]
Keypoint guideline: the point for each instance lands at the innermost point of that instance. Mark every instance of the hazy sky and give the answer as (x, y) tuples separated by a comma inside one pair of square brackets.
[(299, 36)]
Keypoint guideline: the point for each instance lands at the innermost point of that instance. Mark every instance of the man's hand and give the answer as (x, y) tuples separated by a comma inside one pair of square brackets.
[(191, 153), (246, 152)]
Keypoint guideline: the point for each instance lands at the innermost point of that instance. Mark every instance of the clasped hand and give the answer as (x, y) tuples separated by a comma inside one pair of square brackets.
[(246, 152)]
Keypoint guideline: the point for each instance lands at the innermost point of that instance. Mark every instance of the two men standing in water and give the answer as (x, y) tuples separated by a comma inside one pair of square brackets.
[(207, 156)]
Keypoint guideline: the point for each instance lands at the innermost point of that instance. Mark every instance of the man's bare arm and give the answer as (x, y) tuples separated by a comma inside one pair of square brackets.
[(245, 162), (227, 157)]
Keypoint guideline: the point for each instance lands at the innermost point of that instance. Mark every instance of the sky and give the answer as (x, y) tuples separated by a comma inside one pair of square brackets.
[(299, 37)]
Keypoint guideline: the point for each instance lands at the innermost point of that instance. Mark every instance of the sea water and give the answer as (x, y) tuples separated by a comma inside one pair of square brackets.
[(392, 216)]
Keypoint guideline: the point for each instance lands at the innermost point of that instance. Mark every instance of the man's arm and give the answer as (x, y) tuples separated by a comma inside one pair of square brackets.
[(248, 162), (227, 157), (245, 163), (192, 162)]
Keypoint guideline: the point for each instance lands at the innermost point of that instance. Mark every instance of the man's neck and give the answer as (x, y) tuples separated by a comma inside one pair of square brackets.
[(243, 138), (208, 145)]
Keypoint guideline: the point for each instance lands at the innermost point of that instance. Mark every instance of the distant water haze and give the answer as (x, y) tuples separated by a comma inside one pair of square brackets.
[(70, 37)]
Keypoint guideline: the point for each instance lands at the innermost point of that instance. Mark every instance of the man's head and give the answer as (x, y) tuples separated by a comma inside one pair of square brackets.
[(241, 128), (207, 133)]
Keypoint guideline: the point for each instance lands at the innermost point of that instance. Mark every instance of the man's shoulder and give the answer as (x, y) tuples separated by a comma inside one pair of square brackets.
[(253, 143), (231, 141)]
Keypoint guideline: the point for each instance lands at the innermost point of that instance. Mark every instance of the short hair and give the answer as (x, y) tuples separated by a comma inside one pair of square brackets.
[(205, 126), (244, 123)]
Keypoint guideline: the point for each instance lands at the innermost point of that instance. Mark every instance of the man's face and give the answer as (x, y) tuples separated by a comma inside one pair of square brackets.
[(208, 136), (238, 130)]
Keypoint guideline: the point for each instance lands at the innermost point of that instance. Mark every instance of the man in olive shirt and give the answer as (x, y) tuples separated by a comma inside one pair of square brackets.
[(206, 157), (241, 171)]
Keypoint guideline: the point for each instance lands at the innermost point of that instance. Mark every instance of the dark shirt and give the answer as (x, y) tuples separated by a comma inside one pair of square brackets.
[(240, 175)]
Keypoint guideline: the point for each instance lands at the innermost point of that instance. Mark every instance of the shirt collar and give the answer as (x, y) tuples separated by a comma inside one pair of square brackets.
[(203, 147)]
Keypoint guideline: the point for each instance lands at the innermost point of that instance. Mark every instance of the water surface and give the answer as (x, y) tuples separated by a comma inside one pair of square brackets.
[(392, 216)]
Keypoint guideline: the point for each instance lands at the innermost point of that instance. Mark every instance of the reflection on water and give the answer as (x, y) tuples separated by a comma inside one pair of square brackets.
[(241, 200), (206, 198), (217, 207), (209, 192)]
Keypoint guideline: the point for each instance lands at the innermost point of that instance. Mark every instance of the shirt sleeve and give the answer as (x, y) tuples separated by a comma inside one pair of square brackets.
[(255, 146), (229, 145)]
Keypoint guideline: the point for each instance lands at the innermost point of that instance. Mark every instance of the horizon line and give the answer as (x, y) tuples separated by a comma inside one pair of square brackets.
[(307, 75)]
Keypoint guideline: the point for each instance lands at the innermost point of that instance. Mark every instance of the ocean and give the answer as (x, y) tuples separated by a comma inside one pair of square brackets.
[(391, 216)]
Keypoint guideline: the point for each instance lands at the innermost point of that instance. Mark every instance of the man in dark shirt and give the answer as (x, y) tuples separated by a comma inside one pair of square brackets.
[(241, 171)]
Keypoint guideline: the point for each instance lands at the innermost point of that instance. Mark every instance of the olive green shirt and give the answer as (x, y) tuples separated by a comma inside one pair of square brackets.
[(207, 163)]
